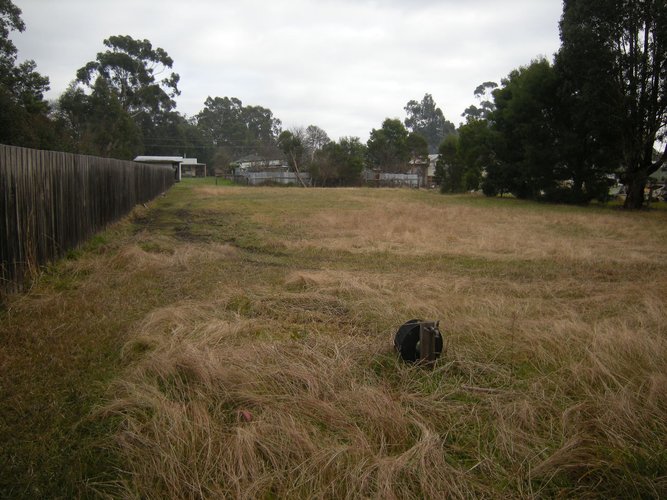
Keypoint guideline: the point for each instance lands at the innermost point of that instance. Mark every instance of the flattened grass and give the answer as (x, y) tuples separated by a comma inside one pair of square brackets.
[(237, 342)]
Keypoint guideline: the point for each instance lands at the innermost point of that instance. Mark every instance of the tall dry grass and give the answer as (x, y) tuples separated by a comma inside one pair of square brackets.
[(285, 384), (489, 232), (213, 409), (256, 358)]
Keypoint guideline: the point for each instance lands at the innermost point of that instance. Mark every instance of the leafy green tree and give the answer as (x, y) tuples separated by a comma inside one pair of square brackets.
[(417, 147), (10, 20), (98, 124), (475, 151), (450, 170), (129, 69), (476, 148), (240, 130), (339, 163), (118, 104), (483, 93), (627, 40), (28, 87), (262, 127), (351, 158), (221, 121), (23, 110), (428, 120), (586, 122), (175, 135), (546, 139), (524, 140), (387, 147)]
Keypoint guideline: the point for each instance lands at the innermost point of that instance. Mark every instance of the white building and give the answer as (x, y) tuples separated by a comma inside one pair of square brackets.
[(180, 164)]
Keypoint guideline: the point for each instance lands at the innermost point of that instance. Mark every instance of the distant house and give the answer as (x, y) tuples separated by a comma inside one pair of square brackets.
[(432, 161), (256, 163), (419, 174), (183, 167), (254, 170), (425, 169)]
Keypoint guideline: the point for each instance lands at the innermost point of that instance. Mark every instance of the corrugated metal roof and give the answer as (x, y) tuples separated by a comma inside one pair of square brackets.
[(167, 159), (157, 159)]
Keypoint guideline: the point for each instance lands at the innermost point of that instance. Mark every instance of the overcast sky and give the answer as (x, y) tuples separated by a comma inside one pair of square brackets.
[(343, 65)]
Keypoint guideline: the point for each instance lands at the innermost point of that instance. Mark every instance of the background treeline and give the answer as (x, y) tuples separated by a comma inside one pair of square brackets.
[(566, 130), (559, 130)]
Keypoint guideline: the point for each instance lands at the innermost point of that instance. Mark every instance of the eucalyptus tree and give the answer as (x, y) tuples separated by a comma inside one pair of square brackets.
[(131, 69), (427, 119), (315, 138), (121, 99), (239, 129), (484, 94)]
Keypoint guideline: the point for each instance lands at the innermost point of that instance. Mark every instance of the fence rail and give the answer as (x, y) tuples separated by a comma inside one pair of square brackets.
[(258, 178), (51, 201), (393, 180)]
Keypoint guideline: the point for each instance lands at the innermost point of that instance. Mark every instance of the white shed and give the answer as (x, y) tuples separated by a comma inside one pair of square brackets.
[(176, 162)]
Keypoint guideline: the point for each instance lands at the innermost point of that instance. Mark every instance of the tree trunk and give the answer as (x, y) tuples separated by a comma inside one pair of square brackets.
[(296, 170), (578, 189), (635, 197)]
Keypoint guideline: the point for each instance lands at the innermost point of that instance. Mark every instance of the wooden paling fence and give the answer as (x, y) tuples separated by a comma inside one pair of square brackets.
[(51, 201)]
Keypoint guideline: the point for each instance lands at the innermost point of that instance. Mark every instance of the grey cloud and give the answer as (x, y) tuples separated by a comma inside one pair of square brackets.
[(343, 65)]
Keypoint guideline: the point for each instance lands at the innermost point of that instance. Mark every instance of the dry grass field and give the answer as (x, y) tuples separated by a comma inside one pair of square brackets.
[(236, 342)]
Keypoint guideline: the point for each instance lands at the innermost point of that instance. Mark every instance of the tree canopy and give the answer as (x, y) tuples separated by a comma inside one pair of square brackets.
[(98, 123), (428, 120), (484, 94), (241, 130), (339, 163), (387, 147), (417, 147), (23, 110), (10, 20), (449, 168), (565, 132), (524, 138), (314, 140), (129, 68), (625, 41)]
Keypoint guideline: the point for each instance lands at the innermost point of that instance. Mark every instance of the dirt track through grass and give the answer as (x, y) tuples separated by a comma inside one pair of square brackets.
[(237, 342)]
